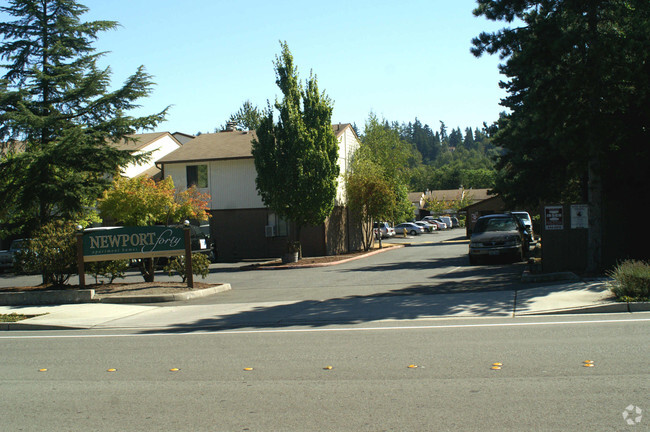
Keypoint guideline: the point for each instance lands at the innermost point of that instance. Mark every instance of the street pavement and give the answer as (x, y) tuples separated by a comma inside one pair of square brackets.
[(541, 373), (412, 339), (427, 279)]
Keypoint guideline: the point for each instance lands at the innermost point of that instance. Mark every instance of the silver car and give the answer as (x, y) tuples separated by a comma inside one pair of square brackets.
[(408, 228)]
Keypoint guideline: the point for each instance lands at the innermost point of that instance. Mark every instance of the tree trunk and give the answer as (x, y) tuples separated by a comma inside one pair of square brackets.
[(147, 269), (595, 232)]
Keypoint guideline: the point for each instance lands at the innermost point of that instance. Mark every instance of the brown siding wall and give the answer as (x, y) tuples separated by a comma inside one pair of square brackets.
[(482, 208), (240, 234)]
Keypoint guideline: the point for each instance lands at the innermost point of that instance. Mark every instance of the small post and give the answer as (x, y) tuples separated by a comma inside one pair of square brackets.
[(80, 258), (188, 255)]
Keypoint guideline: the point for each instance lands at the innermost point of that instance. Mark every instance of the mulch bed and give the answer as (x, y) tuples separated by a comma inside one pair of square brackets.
[(308, 261), (120, 288)]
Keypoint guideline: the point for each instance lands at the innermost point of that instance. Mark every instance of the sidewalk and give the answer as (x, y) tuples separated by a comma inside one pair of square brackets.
[(571, 297)]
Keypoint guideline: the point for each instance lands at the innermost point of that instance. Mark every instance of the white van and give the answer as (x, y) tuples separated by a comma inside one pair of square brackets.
[(447, 220), (526, 221)]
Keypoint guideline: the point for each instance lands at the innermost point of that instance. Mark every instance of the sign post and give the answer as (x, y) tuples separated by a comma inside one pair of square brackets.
[(80, 260), (188, 258)]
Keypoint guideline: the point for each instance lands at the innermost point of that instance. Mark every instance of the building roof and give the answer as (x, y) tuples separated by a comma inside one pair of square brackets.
[(141, 140), (223, 145), (458, 194), (153, 172)]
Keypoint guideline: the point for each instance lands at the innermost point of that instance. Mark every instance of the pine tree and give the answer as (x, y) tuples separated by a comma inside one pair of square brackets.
[(58, 119), (297, 158)]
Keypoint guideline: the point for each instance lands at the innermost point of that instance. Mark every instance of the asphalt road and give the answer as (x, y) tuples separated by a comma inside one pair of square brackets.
[(431, 264), (542, 384)]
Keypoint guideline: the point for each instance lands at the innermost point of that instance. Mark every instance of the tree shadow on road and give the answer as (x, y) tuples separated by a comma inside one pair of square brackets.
[(408, 303)]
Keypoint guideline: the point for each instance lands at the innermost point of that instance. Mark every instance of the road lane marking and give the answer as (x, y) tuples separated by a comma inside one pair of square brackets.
[(326, 330)]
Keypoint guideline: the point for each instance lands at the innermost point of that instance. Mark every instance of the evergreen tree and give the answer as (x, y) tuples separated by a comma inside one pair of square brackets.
[(56, 114), (248, 117), (578, 83), (468, 142), (296, 158), (455, 138)]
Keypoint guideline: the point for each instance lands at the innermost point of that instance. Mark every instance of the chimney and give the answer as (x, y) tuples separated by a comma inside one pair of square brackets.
[(230, 126)]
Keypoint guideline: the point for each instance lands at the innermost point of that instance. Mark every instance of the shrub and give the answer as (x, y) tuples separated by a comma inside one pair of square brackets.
[(52, 252), (200, 266), (631, 281), (110, 270)]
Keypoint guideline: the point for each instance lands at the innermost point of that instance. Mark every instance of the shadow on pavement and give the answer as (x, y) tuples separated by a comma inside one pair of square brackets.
[(405, 304)]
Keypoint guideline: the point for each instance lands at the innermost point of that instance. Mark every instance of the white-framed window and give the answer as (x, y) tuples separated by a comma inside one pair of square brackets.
[(281, 226), (197, 175)]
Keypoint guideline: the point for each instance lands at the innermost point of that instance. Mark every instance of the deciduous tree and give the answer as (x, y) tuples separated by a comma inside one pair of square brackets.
[(140, 201), (369, 195), (297, 158)]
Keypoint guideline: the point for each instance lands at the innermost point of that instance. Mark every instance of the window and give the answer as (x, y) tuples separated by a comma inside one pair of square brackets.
[(281, 225), (197, 175)]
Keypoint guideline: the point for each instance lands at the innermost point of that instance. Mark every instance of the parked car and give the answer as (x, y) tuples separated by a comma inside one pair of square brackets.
[(427, 226), (447, 221), (437, 221), (498, 235), (200, 241), (385, 229), (409, 228), (8, 257), (455, 223), (526, 220)]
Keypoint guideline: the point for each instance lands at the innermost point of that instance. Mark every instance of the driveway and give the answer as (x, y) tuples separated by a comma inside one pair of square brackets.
[(430, 264)]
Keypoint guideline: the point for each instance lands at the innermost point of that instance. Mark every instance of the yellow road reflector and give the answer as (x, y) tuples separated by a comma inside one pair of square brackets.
[(248, 369), (42, 370), (589, 365), (413, 366), (174, 369), (495, 367), (112, 370), (328, 368), (588, 361), (497, 364)]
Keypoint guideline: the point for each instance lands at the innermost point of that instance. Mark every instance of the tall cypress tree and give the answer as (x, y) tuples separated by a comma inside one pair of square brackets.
[(57, 116), (297, 158)]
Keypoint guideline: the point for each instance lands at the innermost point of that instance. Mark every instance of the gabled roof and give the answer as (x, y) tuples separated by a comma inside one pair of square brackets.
[(142, 140), (213, 146), (415, 197), (222, 146)]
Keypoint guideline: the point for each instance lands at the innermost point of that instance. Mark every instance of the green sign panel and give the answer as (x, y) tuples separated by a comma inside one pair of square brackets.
[(104, 244)]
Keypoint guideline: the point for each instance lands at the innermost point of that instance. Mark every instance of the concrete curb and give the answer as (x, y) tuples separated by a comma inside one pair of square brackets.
[(527, 276), (333, 263), (58, 297), (25, 326), (49, 297), (161, 298), (613, 307)]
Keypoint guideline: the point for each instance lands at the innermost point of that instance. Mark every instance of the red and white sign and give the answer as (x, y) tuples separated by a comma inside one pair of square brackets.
[(553, 218)]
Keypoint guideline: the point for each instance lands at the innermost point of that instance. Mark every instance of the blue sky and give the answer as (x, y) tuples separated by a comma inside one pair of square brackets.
[(398, 60)]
